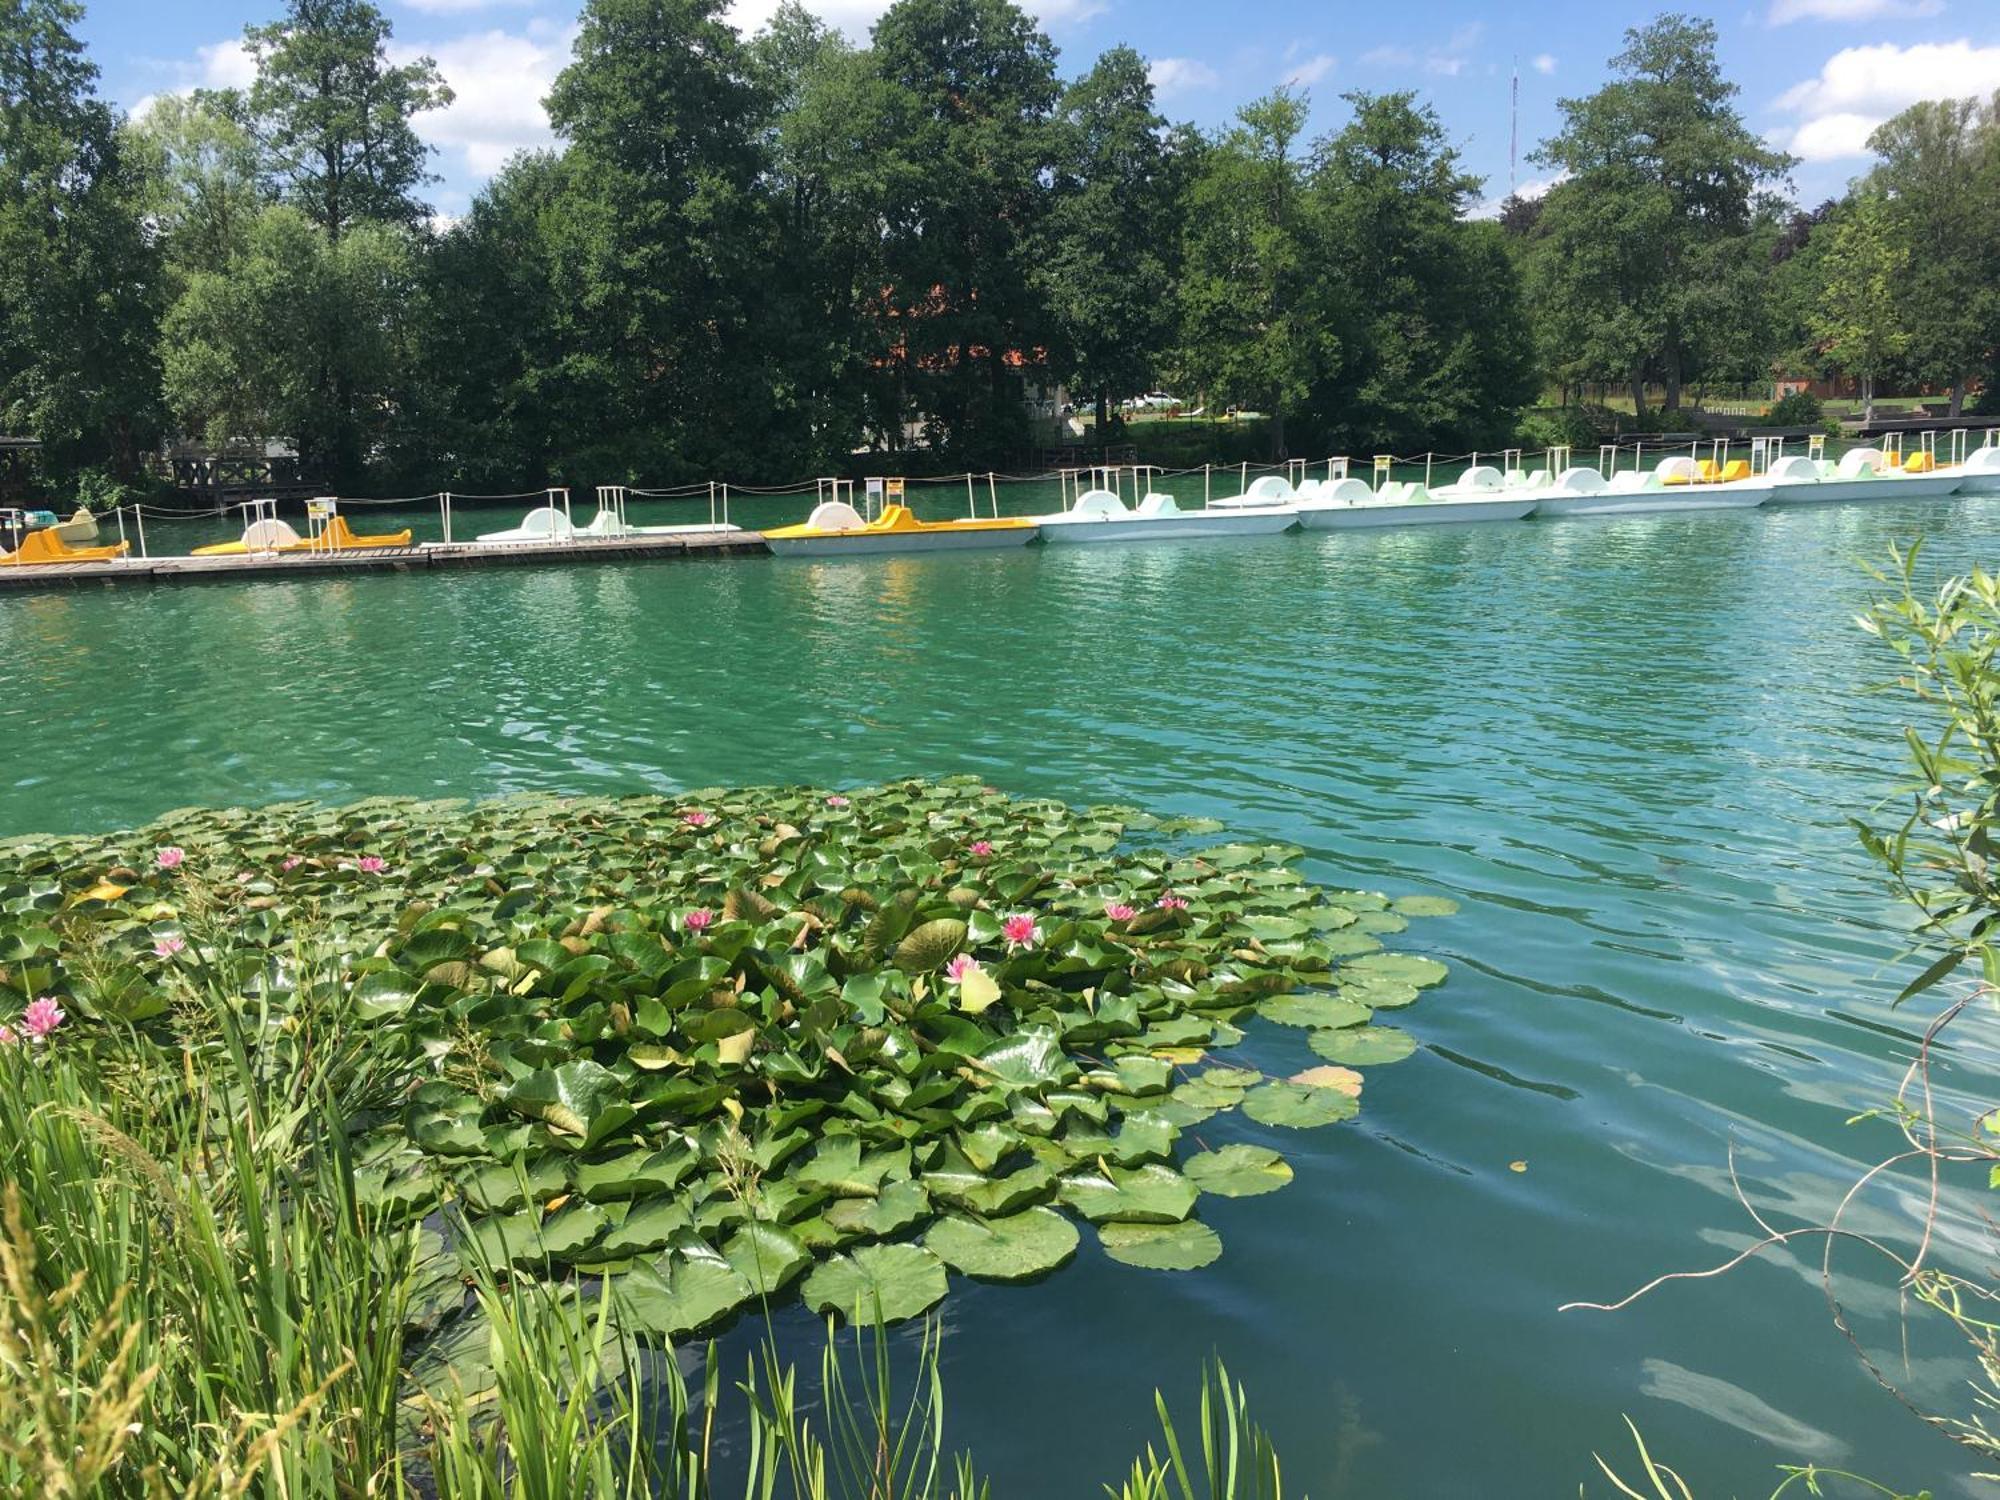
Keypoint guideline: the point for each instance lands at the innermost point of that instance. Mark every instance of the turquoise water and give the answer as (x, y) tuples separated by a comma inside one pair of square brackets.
[(1627, 748)]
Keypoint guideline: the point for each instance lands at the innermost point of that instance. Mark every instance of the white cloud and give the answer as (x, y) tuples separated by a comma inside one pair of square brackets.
[(1446, 61), (1176, 75), (1535, 187), (457, 7), (1545, 62), (855, 17), (224, 65), (1311, 71), (1783, 12), (498, 81), (1860, 87)]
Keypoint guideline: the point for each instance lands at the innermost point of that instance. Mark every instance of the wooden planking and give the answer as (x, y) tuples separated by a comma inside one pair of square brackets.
[(430, 556)]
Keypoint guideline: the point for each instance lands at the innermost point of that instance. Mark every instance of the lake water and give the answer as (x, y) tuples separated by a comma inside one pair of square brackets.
[(1628, 748)]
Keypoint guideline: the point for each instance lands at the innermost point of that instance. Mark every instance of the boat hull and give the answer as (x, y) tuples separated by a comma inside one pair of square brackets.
[(1179, 526), (1828, 491), (1648, 502), (874, 544), (1432, 512)]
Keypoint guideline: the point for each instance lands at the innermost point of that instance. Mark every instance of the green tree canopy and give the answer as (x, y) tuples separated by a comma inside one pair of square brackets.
[(1112, 247), (78, 280), (332, 114), (1639, 247)]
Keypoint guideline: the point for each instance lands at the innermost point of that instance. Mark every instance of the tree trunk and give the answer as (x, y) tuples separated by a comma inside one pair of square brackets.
[(1957, 398), (1673, 382), (1638, 393), (1103, 412), (1277, 430), (1868, 398)]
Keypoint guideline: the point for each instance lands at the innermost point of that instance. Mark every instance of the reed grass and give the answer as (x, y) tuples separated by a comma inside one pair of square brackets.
[(195, 1302)]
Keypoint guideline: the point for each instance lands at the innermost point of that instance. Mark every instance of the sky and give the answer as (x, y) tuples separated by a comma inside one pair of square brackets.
[(1816, 75)]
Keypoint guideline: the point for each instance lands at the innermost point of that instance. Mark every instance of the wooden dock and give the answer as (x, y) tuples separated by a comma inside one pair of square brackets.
[(426, 557)]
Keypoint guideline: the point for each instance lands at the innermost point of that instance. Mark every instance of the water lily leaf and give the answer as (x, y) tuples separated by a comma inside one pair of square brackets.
[(842, 1167), (1378, 994), (1313, 1010), (1425, 906), (956, 1182), (1238, 1171), (505, 1186), (896, 1208), (1149, 1194), (1298, 1106), (1016, 1247), (578, 1099), (1399, 968), (637, 1173), (767, 1256), (1186, 1246), (1032, 1058), (930, 946), (648, 1226), (1364, 1044), (886, 1282), (978, 992), (678, 1295)]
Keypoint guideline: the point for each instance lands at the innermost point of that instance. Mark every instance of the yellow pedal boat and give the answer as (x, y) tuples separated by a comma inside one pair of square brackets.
[(276, 536), (47, 547), (836, 529)]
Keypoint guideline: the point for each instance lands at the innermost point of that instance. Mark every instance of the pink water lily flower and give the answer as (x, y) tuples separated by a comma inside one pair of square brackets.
[(291, 862), (1171, 902), (694, 817), (836, 800), (979, 849), (1020, 931), (699, 920), (7, 1037), (170, 858), (167, 947), (961, 965), (371, 864), (1118, 911), (41, 1017)]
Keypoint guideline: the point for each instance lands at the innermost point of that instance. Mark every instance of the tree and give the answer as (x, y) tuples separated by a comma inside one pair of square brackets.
[(1109, 269), (1939, 185), (201, 177), (78, 281), (1437, 347), (332, 116), (1637, 247), (976, 83), (1857, 315), (303, 336), (660, 258), (1257, 328)]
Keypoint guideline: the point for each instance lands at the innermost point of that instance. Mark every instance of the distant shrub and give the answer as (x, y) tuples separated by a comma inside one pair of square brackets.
[(1560, 426), (1799, 409)]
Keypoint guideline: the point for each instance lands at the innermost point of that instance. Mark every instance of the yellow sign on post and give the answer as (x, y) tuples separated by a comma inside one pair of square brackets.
[(1816, 446), (1382, 463), (895, 489)]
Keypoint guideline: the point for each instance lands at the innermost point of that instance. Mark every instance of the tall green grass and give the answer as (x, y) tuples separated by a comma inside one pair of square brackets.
[(195, 1302)]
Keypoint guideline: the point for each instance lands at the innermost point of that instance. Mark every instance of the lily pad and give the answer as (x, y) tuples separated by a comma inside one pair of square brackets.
[(1150, 1194), (886, 1282), (1186, 1246), (1238, 1171), (1313, 1010), (1013, 1248), (1298, 1106), (1400, 968), (678, 1295), (1364, 1044)]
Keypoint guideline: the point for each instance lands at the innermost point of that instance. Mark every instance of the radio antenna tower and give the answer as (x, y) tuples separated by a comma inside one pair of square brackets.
[(1513, 126)]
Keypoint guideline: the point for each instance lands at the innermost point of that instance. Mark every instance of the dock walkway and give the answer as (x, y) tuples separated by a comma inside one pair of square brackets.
[(428, 556)]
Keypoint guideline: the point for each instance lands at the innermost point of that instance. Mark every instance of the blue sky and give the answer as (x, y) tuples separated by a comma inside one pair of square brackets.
[(1816, 75)]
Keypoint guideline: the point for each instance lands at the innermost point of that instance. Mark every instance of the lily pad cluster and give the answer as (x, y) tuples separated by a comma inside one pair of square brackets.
[(729, 1044)]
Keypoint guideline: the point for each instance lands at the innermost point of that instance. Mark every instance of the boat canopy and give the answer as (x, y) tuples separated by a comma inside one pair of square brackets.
[(1479, 477), (1984, 461), (1271, 489), (1857, 461), (1099, 505), (1581, 481), (835, 515), (1157, 504)]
